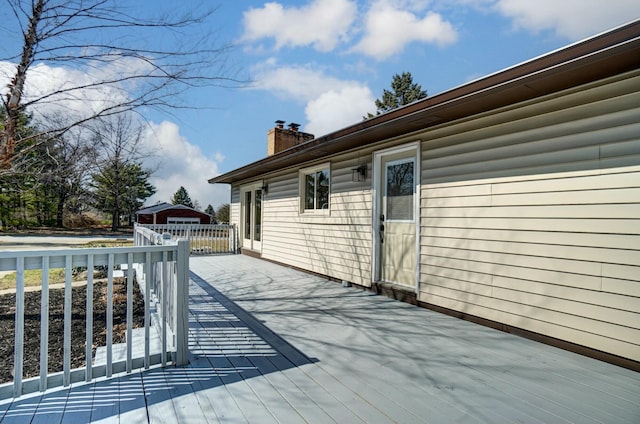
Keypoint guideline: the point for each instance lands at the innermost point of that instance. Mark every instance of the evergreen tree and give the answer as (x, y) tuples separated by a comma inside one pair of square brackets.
[(121, 184), (404, 91), (26, 197), (222, 214), (181, 197), (210, 211), (121, 189)]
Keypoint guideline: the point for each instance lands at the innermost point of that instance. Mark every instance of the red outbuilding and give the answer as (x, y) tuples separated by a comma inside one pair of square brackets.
[(166, 213)]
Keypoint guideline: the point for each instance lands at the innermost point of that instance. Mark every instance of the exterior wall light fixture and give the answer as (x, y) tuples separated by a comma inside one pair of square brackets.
[(359, 173)]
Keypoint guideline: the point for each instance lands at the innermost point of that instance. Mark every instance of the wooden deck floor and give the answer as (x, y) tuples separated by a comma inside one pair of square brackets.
[(274, 345)]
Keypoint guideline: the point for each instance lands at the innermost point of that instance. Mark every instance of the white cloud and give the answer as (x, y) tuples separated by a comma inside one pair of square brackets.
[(180, 163), (298, 82), (331, 103), (571, 19), (389, 28), (336, 109), (321, 24), (57, 94)]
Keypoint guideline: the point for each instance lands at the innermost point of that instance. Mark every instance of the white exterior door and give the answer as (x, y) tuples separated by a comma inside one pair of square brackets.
[(396, 223), (251, 214)]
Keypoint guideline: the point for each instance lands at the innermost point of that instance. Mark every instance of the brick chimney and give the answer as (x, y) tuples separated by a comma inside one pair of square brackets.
[(279, 138)]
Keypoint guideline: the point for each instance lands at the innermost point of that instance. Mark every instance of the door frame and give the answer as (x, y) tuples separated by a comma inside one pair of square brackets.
[(251, 188), (412, 149)]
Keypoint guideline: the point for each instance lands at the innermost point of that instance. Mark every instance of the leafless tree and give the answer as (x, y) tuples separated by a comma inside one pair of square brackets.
[(130, 58), (72, 160)]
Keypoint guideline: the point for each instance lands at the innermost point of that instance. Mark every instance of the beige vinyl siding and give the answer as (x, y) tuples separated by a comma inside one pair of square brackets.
[(529, 216), (532, 217), (234, 208), (337, 244)]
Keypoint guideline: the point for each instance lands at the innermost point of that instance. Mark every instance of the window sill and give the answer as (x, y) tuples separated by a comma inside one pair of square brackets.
[(315, 212)]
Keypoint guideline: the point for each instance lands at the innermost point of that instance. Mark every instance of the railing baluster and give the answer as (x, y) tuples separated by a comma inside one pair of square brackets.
[(89, 319), (110, 265), (163, 306), (44, 325), (147, 305), (18, 350), (129, 310), (66, 379)]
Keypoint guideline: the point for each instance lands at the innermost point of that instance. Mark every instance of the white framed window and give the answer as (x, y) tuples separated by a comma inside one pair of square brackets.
[(183, 220), (315, 189)]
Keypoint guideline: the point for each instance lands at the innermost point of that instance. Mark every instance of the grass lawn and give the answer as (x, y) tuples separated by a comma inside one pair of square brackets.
[(32, 278)]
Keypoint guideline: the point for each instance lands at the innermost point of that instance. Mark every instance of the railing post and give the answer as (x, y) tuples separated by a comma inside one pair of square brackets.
[(182, 303), (235, 239)]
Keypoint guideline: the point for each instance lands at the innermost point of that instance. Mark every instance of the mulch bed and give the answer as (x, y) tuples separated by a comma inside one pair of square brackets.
[(31, 367)]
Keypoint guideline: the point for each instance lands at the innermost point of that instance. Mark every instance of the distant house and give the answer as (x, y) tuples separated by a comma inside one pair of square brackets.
[(512, 201), (166, 213)]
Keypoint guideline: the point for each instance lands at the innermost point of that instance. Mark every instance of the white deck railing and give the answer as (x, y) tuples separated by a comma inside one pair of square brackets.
[(204, 239), (163, 278)]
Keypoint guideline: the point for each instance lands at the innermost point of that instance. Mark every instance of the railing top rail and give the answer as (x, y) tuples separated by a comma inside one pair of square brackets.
[(87, 251), (32, 259)]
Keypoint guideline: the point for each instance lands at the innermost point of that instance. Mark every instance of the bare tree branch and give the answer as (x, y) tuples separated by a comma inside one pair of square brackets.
[(125, 62)]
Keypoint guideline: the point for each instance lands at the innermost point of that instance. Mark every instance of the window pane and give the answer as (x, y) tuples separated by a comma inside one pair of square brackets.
[(322, 194), (247, 215), (258, 215), (400, 187), (315, 189), (309, 191)]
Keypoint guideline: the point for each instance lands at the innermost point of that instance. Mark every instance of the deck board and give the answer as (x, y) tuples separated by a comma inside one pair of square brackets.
[(269, 344), (105, 405), (24, 409), (132, 405)]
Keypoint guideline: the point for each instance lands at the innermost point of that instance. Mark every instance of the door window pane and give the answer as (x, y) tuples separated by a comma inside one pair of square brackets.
[(400, 190)]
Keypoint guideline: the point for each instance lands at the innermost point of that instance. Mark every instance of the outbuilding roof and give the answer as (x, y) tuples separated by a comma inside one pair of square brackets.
[(604, 55), (161, 207)]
